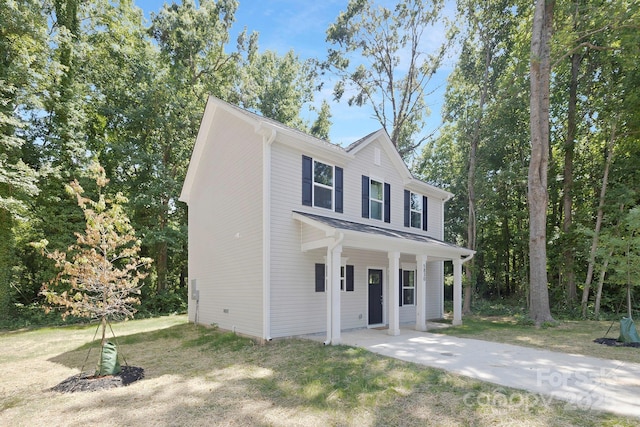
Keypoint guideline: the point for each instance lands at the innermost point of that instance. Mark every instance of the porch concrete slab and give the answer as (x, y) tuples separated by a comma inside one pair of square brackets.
[(583, 382)]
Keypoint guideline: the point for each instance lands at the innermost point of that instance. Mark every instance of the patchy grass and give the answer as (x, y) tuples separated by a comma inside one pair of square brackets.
[(200, 376), (574, 337)]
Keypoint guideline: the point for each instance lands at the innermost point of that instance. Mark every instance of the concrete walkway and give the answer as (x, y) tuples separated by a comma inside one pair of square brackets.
[(583, 382)]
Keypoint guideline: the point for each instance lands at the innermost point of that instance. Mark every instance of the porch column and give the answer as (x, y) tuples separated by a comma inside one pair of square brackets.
[(421, 292), (457, 292), (394, 290), (335, 294)]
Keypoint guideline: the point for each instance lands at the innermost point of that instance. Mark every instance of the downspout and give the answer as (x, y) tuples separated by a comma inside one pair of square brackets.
[(329, 288), (266, 231)]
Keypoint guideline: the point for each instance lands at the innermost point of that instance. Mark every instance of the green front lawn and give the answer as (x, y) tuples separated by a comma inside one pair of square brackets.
[(200, 376)]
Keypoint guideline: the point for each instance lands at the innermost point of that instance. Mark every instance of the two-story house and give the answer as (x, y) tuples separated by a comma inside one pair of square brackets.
[(291, 235)]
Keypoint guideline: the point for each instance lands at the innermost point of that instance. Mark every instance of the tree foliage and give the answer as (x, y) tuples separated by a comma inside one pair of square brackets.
[(92, 79), (100, 275), (381, 59)]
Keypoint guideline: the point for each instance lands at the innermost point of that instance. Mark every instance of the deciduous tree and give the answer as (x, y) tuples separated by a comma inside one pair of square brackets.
[(381, 58), (100, 274), (538, 166)]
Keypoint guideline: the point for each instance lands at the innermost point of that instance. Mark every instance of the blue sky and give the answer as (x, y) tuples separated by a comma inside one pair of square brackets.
[(301, 25)]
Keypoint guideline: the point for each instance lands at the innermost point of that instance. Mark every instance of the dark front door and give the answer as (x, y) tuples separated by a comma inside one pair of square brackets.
[(375, 297)]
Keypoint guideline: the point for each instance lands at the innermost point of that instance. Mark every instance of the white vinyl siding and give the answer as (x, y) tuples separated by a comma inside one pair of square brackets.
[(296, 308), (225, 229)]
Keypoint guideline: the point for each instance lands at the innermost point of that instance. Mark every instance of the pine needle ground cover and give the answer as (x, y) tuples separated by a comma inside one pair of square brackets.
[(201, 376)]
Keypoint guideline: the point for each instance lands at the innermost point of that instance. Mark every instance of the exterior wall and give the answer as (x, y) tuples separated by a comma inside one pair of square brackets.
[(295, 306), (435, 290), (225, 229)]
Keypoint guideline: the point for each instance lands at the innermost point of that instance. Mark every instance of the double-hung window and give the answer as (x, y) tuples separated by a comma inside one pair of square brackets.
[(408, 287), (321, 184), (376, 199), (416, 210)]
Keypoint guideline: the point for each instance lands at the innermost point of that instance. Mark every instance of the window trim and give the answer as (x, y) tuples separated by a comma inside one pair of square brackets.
[(309, 184), (368, 200), (413, 287), (372, 200), (347, 276), (412, 211), (314, 183)]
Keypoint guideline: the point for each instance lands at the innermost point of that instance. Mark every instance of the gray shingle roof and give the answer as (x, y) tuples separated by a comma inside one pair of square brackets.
[(341, 224)]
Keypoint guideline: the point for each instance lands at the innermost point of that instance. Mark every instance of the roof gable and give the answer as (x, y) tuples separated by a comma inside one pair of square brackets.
[(413, 183), (271, 129)]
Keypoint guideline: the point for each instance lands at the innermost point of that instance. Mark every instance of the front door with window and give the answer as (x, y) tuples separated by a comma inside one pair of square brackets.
[(375, 297)]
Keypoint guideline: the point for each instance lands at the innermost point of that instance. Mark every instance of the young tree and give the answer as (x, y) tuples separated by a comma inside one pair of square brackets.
[(101, 280), (538, 167)]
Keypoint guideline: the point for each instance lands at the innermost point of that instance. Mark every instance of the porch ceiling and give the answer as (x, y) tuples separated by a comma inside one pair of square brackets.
[(371, 237)]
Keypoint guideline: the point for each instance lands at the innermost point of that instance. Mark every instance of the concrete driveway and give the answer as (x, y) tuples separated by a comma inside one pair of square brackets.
[(583, 382)]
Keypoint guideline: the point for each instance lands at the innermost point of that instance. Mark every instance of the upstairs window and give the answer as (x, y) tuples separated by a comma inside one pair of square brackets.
[(416, 210), (321, 184), (376, 199)]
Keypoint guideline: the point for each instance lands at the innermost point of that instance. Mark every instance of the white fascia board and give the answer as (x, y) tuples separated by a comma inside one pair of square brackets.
[(198, 148), (314, 147), (434, 251), (329, 231), (389, 149), (422, 187)]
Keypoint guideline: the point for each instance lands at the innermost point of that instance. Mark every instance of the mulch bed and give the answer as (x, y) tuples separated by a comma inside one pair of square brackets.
[(87, 382), (615, 343)]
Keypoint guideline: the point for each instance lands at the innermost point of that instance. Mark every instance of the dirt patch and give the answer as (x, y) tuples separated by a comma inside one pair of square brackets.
[(612, 342), (87, 382)]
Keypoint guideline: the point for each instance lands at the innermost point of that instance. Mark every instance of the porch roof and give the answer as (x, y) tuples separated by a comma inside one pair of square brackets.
[(367, 236)]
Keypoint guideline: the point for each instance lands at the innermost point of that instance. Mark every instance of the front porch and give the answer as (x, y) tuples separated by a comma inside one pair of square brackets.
[(334, 236)]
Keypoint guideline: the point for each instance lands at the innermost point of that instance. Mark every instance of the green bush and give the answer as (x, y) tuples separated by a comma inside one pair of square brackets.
[(173, 301)]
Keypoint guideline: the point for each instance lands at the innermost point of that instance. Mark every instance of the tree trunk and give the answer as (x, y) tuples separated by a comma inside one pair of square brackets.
[(471, 182), (600, 285), (103, 341), (629, 310), (162, 248), (567, 224), (6, 263), (599, 216), (538, 167)]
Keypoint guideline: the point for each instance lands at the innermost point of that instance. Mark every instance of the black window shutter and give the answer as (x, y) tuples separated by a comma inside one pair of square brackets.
[(365, 196), (425, 221), (387, 202), (400, 287), (319, 277), (349, 278), (307, 180), (339, 197), (407, 208)]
